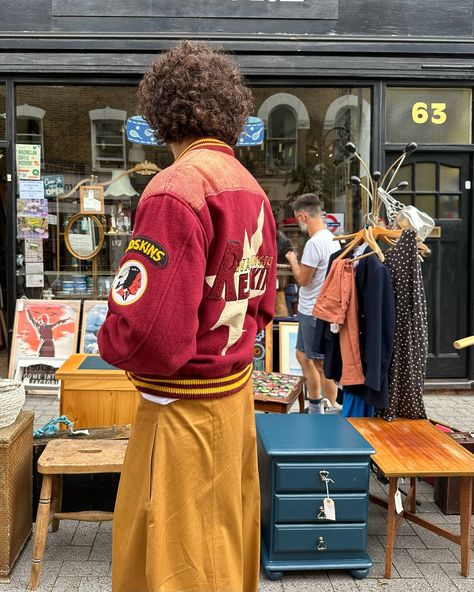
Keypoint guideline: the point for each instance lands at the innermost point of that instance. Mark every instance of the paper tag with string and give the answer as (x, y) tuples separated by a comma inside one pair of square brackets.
[(329, 505), (398, 502)]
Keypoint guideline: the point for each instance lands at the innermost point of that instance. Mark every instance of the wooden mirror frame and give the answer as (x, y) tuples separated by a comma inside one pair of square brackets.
[(100, 243)]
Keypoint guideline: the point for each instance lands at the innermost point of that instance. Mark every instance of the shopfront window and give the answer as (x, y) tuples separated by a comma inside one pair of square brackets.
[(84, 166), (428, 115), (306, 130), (3, 114), (73, 157)]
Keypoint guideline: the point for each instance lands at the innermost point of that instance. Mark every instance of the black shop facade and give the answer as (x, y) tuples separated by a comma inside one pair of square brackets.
[(323, 73)]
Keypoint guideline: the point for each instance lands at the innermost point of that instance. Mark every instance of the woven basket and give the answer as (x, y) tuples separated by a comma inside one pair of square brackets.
[(12, 399)]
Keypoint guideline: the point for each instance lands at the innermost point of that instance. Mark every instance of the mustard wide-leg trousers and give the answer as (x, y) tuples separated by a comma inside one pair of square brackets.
[(187, 517)]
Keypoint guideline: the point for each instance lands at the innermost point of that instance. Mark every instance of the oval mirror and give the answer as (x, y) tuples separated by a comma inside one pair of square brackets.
[(84, 236)]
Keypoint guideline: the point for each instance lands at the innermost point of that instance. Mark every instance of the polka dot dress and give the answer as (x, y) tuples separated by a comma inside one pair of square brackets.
[(410, 350)]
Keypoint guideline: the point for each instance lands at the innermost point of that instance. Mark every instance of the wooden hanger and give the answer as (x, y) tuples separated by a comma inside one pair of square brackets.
[(365, 235)]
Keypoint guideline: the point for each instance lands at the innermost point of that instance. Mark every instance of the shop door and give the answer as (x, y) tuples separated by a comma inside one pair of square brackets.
[(3, 206), (3, 240), (439, 185)]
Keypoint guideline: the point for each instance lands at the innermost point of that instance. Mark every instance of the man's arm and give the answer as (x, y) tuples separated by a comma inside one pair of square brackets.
[(302, 273), (152, 322)]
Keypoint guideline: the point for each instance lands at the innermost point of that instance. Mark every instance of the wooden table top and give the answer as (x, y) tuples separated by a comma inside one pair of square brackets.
[(413, 448), (71, 368)]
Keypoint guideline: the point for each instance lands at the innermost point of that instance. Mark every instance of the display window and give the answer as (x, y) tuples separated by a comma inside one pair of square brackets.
[(3, 114), (74, 158)]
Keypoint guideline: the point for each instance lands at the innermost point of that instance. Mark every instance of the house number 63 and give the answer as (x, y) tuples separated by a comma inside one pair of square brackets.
[(420, 113)]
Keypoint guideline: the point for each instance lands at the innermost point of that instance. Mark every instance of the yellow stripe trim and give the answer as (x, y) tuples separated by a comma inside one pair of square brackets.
[(201, 144), (207, 391), (190, 381)]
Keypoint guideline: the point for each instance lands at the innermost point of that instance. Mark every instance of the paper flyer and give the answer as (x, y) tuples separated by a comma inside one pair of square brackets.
[(32, 208), (28, 161), (31, 189), (33, 250)]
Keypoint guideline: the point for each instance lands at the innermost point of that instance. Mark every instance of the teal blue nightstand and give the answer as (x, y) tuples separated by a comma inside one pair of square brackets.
[(296, 454)]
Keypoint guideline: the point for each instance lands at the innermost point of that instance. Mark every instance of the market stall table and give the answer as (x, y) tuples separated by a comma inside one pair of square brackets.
[(95, 394), (415, 448)]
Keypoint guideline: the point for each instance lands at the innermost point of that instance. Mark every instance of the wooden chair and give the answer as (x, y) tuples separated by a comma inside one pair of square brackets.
[(69, 457)]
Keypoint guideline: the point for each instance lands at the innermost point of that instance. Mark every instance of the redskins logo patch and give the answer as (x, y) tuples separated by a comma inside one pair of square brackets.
[(150, 249), (130, 283)]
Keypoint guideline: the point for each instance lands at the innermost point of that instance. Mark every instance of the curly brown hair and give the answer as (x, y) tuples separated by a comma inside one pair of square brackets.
[(194, 91)]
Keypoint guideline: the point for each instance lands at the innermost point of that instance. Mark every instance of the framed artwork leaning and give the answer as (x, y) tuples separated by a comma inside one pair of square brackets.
[(263, 349), (93, 315), (288, 332), (44, 329)]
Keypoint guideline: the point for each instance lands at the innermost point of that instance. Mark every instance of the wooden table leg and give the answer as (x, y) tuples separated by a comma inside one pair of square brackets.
[(465, 494), (413, 499), (41, 530), (57, 501), (391, 526), (301, 400)]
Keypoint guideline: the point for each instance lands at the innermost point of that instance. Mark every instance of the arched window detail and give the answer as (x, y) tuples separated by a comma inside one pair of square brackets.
[(108, 139), (284, 116), (29, 126), (282, 139)]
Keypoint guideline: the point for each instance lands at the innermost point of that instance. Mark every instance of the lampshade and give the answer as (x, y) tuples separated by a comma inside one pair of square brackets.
[(120, 188), (136, 153)]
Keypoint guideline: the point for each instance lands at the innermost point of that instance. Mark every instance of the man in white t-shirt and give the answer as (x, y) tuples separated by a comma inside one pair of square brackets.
[(310, 275)]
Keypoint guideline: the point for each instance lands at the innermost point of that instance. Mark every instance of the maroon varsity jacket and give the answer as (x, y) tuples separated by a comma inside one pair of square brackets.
[(197, 281)]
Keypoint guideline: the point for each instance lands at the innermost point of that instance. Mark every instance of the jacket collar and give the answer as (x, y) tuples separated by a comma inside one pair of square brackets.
[(208, 143)]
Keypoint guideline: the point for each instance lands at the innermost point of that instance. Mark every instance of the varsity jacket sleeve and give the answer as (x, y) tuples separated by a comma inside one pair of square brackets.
[(152, 322)]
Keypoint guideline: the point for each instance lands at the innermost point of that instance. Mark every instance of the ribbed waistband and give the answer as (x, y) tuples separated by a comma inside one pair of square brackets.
[(192, 388)]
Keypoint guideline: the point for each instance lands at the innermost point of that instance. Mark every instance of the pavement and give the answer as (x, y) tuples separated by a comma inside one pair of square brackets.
[(78, 556)]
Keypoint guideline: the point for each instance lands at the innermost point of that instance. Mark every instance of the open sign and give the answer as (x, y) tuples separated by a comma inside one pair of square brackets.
[(53, 185)]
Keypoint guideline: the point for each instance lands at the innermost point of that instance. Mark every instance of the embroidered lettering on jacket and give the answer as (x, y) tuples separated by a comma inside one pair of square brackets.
[(242, 276), (152, 250)]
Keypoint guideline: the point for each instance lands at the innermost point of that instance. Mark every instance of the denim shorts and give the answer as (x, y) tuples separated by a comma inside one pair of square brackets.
[(305, 339)]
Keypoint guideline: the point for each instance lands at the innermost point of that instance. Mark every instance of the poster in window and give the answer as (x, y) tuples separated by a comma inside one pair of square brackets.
[(44, 329), (29, 227), (30, 189), (32, 208), (93, 316), (28, 161), (33, 250)]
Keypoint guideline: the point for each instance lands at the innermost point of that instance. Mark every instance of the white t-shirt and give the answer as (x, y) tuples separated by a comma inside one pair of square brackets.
[(316, 254)]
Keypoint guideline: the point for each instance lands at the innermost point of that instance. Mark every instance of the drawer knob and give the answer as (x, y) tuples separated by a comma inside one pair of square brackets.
[(322, 514), (321, 544)]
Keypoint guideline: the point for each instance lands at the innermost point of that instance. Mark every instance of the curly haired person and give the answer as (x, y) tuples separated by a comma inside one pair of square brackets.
[(197, 282)]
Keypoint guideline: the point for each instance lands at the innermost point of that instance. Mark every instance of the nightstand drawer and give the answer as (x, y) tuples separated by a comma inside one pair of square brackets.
[(309, 477), (319, 539), (307, 508)]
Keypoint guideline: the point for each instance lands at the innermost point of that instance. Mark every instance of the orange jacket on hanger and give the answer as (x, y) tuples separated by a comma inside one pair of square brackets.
[(337, 303)]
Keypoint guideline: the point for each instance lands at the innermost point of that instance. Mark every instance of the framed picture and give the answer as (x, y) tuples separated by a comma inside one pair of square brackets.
[(92, 199), (288, 362), (263, 350), (44, 329), (94, 312), (39, 374)]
